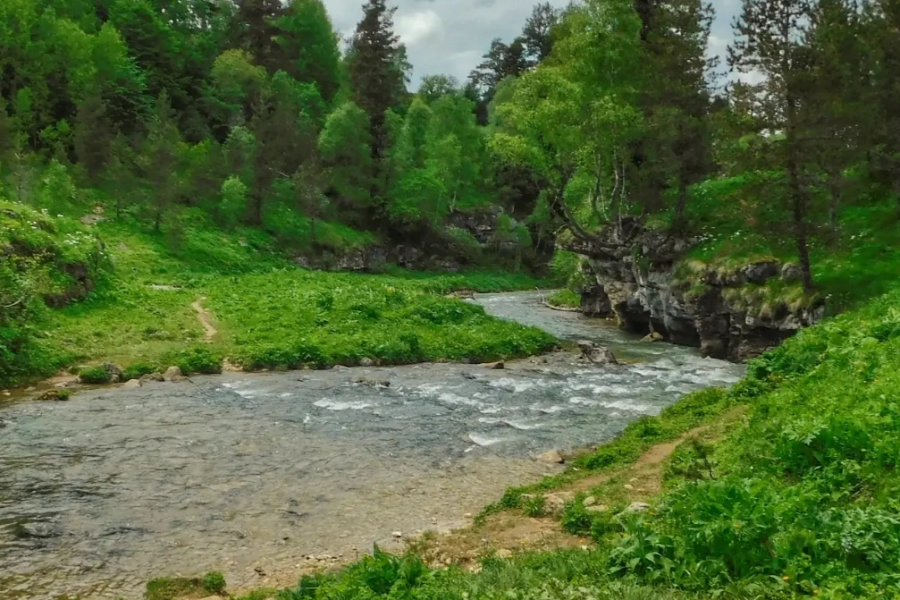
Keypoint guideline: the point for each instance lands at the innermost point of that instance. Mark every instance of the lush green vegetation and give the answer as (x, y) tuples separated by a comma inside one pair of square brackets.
[(268, 313)]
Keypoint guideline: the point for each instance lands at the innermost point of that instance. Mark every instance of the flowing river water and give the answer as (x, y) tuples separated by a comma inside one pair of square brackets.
[(251, 473)]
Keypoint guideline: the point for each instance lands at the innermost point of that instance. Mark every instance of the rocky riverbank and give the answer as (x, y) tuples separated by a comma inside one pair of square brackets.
[(644, 279)]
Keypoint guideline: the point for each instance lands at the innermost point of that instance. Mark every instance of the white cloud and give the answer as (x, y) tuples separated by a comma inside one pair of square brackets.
[(418, 27)]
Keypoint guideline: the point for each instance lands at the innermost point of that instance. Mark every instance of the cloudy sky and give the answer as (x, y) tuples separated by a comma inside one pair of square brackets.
[(450, 36)]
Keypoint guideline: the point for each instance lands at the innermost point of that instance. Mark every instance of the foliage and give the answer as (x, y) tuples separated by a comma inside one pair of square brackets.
[(214, 583), (95, 375), (564, 298)]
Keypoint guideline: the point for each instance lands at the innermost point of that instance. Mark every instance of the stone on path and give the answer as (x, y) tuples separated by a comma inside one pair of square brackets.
[(551, 456)]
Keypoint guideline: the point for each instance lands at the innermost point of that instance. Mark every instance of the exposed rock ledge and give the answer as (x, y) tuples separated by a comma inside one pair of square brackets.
[(642, 282)]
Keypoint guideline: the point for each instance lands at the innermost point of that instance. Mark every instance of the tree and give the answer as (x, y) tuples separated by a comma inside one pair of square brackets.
[(159, 160), (308, 41), (538, 32), (376, 74), (255, 26), (345, 149), (768, 41), (434, 87)]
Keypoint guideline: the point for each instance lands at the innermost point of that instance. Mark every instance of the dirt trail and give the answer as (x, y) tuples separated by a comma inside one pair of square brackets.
[(205, 318)]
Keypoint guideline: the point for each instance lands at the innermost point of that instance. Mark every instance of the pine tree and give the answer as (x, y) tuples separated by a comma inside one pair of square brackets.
[(768, 41), (538, 32), (377, 82)]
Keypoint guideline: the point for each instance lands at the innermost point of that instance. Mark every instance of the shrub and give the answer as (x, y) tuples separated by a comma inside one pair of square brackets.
[(198, 359), (138, 370), (214, 583), (95, 375)]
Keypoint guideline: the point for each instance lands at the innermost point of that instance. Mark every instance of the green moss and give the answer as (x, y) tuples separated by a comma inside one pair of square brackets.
[(95, 375)]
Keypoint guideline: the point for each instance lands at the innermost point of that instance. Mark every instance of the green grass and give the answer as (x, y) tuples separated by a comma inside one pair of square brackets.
[(269, 313), (565, 298)]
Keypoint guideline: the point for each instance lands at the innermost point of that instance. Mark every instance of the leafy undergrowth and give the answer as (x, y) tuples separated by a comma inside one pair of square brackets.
[(44, 260), (270, 314), (852, 264), (564, 298)]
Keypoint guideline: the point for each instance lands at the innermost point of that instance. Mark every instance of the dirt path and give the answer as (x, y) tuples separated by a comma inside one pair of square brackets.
[(510, 531), (205, 318)]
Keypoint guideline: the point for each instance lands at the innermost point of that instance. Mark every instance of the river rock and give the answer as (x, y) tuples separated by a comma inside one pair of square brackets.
[(131, 384), (653, 336), (173, 373), (636, 507), (54, 395), (555, 502), (366, 362), (38, 530), (551, 456), (597, 354), (397, 534), (153, 377), (495, 365)]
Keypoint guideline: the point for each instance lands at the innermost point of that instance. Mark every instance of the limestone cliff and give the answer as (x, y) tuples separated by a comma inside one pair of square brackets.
[(642, 278)]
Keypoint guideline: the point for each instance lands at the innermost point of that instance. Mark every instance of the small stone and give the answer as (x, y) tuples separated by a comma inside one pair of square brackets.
[(131, 384), (597, 508), (153, 377), (495, 365), (30, 389), (173, 373), (628, 487), (397, 534), (259, 570), (791, 273), (504, 553), (589, 501), (467, 516), (366, 362), (551, 456), (636, 507), (654, 336), (555, 503)]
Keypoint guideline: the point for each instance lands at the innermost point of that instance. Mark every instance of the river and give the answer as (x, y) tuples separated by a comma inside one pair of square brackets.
[(248, 473)]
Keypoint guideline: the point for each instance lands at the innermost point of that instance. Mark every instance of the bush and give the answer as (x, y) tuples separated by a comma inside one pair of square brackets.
[(95, 375), (214, 583), (138, 370), (198, 359)]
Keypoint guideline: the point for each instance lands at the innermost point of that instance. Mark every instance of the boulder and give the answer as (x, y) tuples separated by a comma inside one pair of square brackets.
[(653, 336), (115, 373), (173, 373), (760, 272), (551, 456), (791, 273), (132, 384), (599, 355), (38, 530)]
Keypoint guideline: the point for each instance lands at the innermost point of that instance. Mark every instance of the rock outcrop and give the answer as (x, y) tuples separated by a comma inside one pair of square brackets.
[(640, 277)]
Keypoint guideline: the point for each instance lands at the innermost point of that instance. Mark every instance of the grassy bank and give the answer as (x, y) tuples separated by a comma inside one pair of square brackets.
[(785, 486), (148, 305)]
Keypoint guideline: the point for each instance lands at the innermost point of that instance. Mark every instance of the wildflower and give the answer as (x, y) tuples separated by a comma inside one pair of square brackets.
[(785, 578)]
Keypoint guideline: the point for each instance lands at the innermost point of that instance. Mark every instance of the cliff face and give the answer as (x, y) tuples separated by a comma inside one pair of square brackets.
[(645, 283)]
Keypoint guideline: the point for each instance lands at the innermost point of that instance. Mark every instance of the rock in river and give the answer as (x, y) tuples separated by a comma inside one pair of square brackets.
[(551, 456), (38, 530)]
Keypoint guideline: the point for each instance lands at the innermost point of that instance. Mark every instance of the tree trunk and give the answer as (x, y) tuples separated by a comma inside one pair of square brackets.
[(798, 195), (834, 186), (681, 204)]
